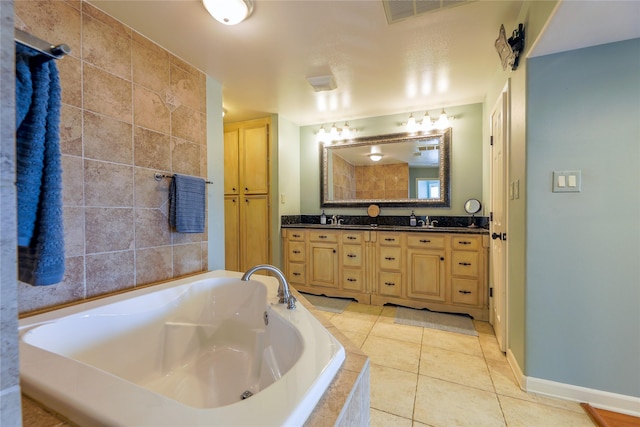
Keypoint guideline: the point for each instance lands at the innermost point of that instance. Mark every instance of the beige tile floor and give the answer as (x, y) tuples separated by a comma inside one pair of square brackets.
[(427, 377)]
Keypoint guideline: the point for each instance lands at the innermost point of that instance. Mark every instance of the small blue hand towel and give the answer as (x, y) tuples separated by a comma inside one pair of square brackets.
[(38, 169), (187, 204)]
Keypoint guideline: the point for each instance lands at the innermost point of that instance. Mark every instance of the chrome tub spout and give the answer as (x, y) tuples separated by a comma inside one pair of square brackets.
[(284, 294)]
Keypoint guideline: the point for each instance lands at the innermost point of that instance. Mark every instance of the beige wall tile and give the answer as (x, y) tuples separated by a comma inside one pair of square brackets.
[(185, 157), (107, 94), (70, 72), (150, 193), (151, 67), (89, 10), (70, 130), (110, 272), (152, 149), (107, 139), (108, 229), (185, 124), (150, 110), (153, 265), (187, 259), (186, 87), (74, 231), (152, 228), (108, 184), (72, 181), (106, 47)]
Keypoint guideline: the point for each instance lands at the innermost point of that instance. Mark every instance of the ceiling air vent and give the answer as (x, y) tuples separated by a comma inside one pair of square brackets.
[(398, 10)]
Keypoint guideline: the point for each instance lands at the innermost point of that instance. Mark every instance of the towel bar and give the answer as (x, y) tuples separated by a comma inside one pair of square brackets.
[(159, 176)]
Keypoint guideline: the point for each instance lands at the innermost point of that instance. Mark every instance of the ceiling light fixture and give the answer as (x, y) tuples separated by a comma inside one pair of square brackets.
[(229, 12), (375, 157)]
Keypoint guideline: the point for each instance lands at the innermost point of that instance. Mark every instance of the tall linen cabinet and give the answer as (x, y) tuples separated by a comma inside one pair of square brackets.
[(246, 194)]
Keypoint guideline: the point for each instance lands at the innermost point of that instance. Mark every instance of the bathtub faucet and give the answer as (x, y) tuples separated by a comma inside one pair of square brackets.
[(284, 294)]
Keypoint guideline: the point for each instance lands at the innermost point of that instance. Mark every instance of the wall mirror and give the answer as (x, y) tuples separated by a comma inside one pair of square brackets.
[(404, 169)]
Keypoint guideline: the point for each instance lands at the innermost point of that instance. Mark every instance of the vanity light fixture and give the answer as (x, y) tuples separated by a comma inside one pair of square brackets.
[(229, 12), (427, 124), (443, 121), (335, 133), (412, 126)]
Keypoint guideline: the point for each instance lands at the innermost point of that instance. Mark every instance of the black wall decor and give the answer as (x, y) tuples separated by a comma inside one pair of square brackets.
[(516, 41), (509, 50)]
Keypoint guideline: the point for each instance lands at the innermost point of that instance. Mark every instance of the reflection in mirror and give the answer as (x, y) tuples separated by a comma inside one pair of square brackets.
[(405, 169), (472, 207)]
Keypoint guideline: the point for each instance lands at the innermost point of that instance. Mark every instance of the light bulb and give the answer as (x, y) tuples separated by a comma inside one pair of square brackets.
[(443, 120), (411, 123), (427, 124)]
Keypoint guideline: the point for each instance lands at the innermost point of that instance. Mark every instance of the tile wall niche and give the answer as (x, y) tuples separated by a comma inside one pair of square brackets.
[(129, 109)]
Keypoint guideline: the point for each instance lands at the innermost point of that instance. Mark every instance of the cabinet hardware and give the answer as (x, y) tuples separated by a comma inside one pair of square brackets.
[(464, 242), (464, 263), (334, 251), (389, 258), (234, 189), (465, 292), (389, 283), (441, 258), (501, 236), (296, 274), (389, 239), (351, 238), (351, 280), (296, 235), (296, 252), (246, 189), (322, 237), (425, 241), (351, 255)]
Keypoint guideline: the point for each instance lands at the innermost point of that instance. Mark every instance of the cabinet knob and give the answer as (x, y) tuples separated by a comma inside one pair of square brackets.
[(334, 251), (441, 258), (246, 189)]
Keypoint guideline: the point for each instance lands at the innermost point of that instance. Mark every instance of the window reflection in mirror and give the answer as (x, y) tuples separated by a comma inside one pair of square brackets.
[(389, 170)]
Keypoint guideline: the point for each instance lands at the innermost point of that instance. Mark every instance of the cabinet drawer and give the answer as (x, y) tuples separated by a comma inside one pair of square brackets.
[(390, 283), (389, 239), (297, 273), (352, 256), (464, 263), (295, 235), (390, 258), (466, 243), (353, 279), (425, 240), (297, 251), (351, 237), (323, 236), (464, 291)]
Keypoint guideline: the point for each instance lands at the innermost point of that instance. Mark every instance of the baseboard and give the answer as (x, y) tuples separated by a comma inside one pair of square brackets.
[(598, 399), (517, 372)]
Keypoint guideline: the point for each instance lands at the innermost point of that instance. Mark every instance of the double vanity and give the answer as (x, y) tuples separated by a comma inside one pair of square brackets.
[(442, 268)]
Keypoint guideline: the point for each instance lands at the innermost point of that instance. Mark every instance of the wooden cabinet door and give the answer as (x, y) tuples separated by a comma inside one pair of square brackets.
[(231, 166), (254, 232), (425, 279), (323, 258), (231, 233), (255, 159)]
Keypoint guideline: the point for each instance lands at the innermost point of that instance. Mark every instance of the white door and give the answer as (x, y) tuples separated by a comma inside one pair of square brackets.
[(499, 135)]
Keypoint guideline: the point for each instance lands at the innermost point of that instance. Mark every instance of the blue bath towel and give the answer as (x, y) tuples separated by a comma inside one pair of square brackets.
[(38, 169), (187, 204)]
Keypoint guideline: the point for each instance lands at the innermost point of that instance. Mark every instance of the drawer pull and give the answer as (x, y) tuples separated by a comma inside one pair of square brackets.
[(296, 235), (464, 242), (351, 255), (389, 258), (351, 238), (322, 237), (425, 241), (389, 283), (296, 252), (389, 239), (464, 263), (296, 274), (465, 292), (351, 280)]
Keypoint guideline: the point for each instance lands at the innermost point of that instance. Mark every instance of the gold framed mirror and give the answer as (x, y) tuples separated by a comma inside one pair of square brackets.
[(396, 170)]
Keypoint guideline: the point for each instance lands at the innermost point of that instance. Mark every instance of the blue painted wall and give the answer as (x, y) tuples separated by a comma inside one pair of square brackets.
[(583, 249)]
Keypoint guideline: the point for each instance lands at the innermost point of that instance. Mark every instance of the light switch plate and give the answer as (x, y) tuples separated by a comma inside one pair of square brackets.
[(567, 181)]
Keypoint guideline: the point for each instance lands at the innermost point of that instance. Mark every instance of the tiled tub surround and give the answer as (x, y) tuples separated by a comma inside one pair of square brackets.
[(129, 109), (345, 402)]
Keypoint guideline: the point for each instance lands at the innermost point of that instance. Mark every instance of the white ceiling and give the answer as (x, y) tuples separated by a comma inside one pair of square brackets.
[(431, 61)]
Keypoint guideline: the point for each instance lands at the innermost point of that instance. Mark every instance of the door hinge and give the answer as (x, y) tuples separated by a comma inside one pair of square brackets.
[(490, 292), (491, 140), (490, 216)]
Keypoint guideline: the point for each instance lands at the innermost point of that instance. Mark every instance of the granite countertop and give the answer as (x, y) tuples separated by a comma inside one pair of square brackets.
[(454, 230)]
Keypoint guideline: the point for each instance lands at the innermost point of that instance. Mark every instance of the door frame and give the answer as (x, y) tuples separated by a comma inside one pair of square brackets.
[(503, 101)]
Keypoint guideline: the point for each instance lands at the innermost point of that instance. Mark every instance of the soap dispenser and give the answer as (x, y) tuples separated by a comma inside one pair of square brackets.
[(323, 218), (412, 220)]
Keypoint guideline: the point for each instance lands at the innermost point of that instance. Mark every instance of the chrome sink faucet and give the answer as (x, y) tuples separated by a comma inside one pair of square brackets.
[(284, 294)]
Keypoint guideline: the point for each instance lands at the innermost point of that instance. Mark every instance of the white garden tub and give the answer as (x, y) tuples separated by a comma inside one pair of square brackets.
[(179, 354)]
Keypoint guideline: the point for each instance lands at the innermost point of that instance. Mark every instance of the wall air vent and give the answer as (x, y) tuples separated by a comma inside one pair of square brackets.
[(398, 10)]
